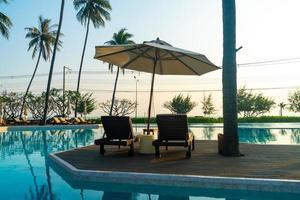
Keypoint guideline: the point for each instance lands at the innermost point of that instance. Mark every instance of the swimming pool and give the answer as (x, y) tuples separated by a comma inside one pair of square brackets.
[(25, 172)]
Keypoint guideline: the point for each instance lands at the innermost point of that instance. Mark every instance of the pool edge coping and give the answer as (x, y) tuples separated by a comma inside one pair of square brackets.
[(194, 181)]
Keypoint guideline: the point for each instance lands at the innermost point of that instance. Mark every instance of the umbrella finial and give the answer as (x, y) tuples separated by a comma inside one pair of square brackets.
[(157, 39)]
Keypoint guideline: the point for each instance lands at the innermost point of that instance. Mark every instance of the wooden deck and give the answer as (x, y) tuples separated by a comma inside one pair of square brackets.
[(260, 161)]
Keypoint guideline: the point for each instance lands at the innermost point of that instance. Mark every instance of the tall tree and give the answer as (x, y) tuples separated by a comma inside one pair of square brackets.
[(281, 105), (42, 39), (180, 104), (294, 101), (119, 38), (5, 22), (56, 44), (207, 105), (230, 138), (95, 11)]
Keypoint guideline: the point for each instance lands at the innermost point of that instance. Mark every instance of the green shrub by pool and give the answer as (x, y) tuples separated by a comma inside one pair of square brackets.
[(201, 119)]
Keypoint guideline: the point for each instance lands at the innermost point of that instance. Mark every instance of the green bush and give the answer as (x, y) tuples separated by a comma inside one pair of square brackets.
[(266, 119), (202, 119)]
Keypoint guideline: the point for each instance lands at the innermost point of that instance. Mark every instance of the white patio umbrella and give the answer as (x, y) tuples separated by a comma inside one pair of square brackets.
[(156, 57)]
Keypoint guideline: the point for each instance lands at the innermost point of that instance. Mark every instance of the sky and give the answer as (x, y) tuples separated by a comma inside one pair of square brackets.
[(267, 30)]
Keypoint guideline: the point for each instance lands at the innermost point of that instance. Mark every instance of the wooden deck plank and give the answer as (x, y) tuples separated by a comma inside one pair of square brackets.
[(260, 161)]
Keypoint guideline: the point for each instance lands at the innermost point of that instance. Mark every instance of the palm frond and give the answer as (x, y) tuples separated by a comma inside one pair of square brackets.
[(4, 1), (120, 38), (42, 38), (97, 11), (5, 25)]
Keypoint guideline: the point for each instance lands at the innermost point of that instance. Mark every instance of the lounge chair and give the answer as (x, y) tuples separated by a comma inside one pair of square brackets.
[(173, 131), (58, 121), (83, 121), (18, 121), (2, 122), (117, 131), (63, 120), (79, 120), (75, 120)]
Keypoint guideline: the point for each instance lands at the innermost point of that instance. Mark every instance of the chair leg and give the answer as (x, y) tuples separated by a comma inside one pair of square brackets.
[(193, 144), (157, 153), (189, 152), (131, 150), (102, 150)]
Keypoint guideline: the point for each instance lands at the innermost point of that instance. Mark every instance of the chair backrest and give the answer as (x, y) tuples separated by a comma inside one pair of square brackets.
[(63, 120), (76, 119), (117, 127), (56, 120), (172, 127), (82, 120)]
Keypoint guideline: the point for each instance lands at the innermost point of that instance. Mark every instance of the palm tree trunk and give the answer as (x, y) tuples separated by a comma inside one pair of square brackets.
[(52, 62), (231, 139), (46, 159), (114, 92), (28, 87), (81, 62), (30, 165)]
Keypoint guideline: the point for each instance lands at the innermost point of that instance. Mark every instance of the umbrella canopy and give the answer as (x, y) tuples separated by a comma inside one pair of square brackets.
[(156, 57), (169, 60)]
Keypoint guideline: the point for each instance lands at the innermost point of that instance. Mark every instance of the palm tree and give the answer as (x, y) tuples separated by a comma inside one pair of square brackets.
[(119, 38), (230, 138), (95, 11), (281, 107), (42, 39), (5, 23), (56, 44)]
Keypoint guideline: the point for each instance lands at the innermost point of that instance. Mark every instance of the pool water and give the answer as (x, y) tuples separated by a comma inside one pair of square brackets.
[(25, 171)]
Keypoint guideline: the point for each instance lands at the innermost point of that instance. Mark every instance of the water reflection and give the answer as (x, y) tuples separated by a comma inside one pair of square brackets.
[(13, 143), (295, 136), (117, 196), (208, 133), (173, 197), (257, 136), (34, 146)]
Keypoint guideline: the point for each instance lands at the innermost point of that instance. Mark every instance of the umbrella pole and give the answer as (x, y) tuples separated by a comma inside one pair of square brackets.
[(151, 96)]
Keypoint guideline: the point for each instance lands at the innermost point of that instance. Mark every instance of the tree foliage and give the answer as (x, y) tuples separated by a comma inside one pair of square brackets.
[(11, 102), (86, 104), (121, 107), (207, 105), (180, 104), (42, 38), (252, 105), (36, 103), (95, 10), (122, 37), (294, 101), (58, 105), (5, 22)]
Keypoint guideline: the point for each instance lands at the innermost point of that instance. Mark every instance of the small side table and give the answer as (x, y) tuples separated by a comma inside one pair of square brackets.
[(146, 146)]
